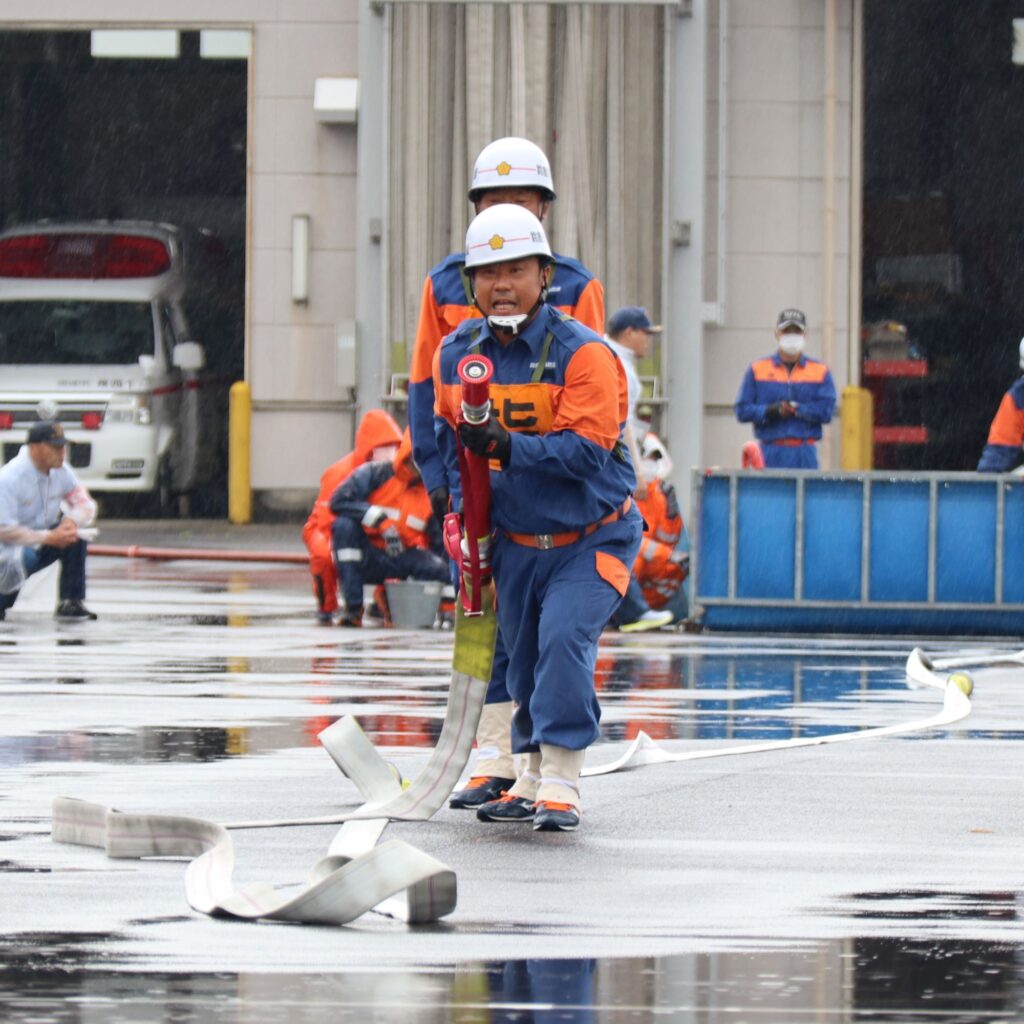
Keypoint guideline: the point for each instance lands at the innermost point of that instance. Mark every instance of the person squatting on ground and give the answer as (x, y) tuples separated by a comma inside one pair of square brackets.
[(508, 170), (42, 508), (1006, 435), (384, 530), (377, 439), (663, 562), (566, 529), (630, 331), (787, 396)]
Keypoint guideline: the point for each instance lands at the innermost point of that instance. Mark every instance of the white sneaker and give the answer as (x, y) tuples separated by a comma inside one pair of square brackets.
[(649, 620)]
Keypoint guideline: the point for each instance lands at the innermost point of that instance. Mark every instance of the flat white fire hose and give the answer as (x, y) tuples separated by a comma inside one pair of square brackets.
[(356, 875), (396, 878)]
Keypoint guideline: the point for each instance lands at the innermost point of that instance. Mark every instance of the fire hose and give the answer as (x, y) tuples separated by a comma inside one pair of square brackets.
[(395, 878)]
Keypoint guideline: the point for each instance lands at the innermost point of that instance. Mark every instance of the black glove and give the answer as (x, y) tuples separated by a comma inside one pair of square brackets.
[(489, 439), (439, 503), (773, 413)]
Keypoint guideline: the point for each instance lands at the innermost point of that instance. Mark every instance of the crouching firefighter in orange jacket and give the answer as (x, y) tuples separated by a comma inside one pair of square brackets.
[(377, 439), (384, 530), (566, 530)]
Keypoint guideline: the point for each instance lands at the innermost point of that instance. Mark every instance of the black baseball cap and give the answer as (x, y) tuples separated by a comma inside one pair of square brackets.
[(47, 432), (791, 318)]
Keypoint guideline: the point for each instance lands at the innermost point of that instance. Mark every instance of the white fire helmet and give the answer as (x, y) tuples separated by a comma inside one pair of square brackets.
[(511, 163), (1022, 353), (502, 233), (654, 454)]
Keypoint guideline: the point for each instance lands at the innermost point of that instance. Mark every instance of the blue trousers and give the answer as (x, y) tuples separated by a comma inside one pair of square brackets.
[(72, 570), (552, 608), (376, 566), (790, 456)]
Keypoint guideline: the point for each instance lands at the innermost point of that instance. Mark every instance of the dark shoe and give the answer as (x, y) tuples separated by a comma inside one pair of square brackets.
[(3, 614), (555, 817), (325, 618), (74, 611), (353, 618), (506, 808), (480, 790)]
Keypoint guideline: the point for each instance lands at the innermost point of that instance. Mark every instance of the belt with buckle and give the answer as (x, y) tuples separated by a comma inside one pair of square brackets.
[(546, 541), (794, 442)]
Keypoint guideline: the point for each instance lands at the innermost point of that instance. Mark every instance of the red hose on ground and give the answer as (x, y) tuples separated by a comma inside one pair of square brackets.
[(196, 554)]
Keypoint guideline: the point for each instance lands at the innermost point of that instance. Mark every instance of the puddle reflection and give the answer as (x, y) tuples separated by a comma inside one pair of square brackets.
[(670, 695), (47, 978)]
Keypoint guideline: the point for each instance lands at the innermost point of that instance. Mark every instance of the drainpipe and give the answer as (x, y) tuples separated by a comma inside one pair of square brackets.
[(829, 209)]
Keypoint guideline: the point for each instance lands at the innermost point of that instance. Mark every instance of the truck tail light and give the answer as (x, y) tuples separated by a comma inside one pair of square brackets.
[(6, 420), (91, 420), (86, 255)]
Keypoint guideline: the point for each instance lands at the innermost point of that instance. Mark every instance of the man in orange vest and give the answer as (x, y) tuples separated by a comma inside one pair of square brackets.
[(662, 565), (377, 439), (384, 530)]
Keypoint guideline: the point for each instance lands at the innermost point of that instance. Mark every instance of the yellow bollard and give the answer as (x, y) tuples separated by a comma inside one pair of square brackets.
[(239, 469), (857, 449)]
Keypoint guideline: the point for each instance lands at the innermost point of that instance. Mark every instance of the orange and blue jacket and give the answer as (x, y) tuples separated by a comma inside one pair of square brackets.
[(562, 394), (447, 302), (770, 380), (1006, 434), (396, 487), (377, 429)]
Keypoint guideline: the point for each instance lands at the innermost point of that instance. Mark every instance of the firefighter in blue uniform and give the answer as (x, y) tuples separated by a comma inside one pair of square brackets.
[(566, 530), (788, 397), (1006, 435), (508, 170)]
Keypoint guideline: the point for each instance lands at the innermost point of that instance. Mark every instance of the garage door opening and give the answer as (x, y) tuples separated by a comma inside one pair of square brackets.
[(943, 274), (143, 126)]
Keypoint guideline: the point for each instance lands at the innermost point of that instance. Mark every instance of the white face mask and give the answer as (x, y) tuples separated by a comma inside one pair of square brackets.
[(792, 344)]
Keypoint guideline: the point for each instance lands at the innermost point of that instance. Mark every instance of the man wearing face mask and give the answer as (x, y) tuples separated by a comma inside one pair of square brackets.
[(787, 396)]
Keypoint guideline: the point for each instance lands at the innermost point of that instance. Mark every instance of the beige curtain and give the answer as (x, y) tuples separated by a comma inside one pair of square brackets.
[(583, 82)]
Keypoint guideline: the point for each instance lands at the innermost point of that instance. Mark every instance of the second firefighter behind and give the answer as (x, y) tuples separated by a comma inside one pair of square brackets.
[(384, 529), (566, 530), (507, 171)]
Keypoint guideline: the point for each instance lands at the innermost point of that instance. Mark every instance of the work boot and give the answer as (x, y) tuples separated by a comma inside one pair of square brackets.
[(494, 742), (649, 620), (353, 618), (551, 816), (506, 808), (480, 790), (74, 611)]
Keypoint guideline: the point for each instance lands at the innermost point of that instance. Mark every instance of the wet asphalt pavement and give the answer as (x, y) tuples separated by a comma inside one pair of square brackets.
[(868, 880)]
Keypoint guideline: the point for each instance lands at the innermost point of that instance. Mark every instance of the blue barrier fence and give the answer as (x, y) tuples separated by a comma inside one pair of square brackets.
[(859, 552)]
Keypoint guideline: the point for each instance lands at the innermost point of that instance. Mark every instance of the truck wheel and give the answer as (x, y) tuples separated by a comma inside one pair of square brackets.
[(164, 502)]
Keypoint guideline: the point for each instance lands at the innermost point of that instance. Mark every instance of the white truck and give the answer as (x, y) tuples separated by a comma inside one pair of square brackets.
[(93, 333)]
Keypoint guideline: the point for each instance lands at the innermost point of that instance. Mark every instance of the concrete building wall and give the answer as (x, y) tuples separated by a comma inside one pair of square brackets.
[(774, 189)]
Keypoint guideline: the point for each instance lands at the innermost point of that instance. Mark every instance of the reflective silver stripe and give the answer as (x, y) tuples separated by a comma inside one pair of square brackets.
[(348, 555), (416, 523)]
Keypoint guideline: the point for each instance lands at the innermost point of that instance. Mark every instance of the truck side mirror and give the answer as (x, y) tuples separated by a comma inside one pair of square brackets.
[(188, 356)]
